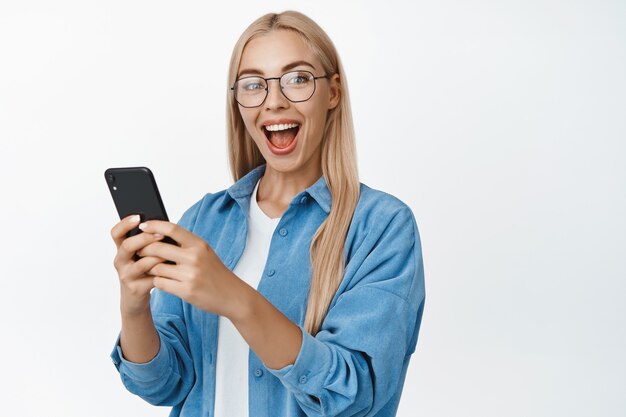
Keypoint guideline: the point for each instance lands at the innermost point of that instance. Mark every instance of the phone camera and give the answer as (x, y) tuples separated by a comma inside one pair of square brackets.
[(111, 178)]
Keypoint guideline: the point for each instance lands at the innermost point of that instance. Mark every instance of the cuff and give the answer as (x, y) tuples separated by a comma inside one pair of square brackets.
[(155, 369), (310, 369)]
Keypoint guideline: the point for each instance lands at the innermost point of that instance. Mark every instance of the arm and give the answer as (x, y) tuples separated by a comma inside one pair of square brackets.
[(354, 365), (139, 339), (152, 351), (166, 378), (270, 334)]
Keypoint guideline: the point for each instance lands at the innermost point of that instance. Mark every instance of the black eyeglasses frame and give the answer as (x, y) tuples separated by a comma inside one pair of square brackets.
[(267, 86)]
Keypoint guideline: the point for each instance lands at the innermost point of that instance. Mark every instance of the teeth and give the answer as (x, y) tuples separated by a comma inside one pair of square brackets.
[(274, 128)]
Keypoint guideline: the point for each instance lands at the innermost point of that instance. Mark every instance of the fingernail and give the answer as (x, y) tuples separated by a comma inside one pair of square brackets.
[(134, 219), (158, 236), (142, 226)]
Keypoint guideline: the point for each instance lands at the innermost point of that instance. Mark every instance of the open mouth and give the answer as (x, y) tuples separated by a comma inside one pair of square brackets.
[(281, 135)]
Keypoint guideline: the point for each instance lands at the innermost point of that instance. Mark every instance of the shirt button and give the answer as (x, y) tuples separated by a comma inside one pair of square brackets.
[(303, 200), (270, 272), (303, 379), (258, 373), (283, 232)]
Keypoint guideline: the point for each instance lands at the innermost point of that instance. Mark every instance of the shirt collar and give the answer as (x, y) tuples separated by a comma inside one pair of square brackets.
[(244, 187)]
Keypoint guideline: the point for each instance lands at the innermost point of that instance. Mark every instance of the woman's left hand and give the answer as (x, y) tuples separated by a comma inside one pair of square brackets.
[(199, 276)]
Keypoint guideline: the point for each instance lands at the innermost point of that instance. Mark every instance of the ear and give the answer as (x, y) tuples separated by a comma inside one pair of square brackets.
[(335, 91)]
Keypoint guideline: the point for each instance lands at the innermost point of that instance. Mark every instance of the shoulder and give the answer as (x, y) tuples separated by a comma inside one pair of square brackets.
[(381, 222), (377, 209), (383, 248), (371, 196), (210, 204)]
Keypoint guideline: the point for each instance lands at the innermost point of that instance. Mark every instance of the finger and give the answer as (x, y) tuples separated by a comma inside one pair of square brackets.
[(172, 272), (119, 231), (138, 288), (168, 285), (182, 236), (131, 245), (163, 250), (145, 264)]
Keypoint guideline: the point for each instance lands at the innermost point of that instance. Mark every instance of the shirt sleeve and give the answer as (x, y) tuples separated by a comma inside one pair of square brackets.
[(168, 377), (356, 363)]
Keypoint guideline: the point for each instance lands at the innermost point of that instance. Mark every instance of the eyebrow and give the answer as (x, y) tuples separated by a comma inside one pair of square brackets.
[(287, 67)]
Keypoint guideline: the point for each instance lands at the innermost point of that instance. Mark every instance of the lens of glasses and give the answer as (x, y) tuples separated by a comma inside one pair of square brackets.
[(250, 91), (296, 86)]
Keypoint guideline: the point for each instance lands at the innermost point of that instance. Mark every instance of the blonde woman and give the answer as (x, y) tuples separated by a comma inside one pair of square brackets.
[(297, 291)]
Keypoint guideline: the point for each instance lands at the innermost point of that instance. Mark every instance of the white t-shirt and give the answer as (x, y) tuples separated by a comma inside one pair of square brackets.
[(231, 389)]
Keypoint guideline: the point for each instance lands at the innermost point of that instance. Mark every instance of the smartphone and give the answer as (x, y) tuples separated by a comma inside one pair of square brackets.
[(134, 191)]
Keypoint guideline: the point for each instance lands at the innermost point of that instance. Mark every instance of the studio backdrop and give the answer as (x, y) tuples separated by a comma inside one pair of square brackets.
[(500, 123)]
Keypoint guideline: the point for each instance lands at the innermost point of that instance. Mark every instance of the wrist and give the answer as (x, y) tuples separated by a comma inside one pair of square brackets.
[(243, 298), (136, 310)]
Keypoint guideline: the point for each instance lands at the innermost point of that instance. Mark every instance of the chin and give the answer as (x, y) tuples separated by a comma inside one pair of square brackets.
[(282, 166)]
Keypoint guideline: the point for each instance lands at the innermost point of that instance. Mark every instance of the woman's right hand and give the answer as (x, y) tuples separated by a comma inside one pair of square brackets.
[(135, 283)]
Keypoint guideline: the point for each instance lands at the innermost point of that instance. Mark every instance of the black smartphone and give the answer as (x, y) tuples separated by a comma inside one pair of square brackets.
[(134, 191)]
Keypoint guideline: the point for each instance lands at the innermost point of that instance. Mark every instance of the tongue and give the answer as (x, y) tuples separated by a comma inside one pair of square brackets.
[(282, 138)]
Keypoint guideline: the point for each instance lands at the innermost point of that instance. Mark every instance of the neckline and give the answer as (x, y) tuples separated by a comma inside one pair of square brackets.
[(242, 188), (256, 209)]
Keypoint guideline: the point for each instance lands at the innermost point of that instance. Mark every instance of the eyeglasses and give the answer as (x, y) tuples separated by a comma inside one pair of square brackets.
[(296, 86)]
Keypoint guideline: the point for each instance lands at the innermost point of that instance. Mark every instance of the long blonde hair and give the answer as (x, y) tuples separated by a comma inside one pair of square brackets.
[(338, 159)]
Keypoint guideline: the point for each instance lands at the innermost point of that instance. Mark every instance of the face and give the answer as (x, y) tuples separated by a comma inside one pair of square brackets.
[(289, 135)]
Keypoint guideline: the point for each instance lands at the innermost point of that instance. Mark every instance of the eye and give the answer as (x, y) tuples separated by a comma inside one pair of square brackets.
[(298, 79), (251, 85)]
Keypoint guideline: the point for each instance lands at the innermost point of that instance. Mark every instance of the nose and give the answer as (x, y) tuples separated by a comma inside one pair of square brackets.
[(275, 98)]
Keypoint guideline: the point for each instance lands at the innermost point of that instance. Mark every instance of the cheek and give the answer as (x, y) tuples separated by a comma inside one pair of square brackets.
[(318, 119), (248, 121)]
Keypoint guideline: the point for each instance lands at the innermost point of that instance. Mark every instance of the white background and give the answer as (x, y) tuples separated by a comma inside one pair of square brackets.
[(501, 123)]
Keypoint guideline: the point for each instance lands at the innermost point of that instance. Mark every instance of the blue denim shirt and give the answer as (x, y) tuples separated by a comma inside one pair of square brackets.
[(354, 366)]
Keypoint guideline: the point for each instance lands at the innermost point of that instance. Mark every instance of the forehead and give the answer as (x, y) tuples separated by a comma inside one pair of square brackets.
[(268, 54)]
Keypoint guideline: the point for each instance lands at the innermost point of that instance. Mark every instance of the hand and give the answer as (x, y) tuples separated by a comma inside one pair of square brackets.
[(199, 276), (135, 283)]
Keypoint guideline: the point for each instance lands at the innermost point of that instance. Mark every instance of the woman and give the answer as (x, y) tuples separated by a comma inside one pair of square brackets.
[(298, 290)]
